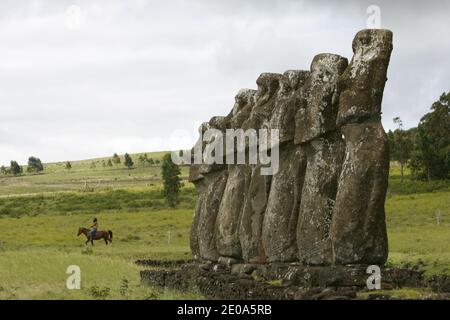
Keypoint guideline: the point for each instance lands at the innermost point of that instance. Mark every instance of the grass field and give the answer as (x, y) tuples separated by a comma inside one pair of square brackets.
[(36, 251), (40, 215), (82, 176)]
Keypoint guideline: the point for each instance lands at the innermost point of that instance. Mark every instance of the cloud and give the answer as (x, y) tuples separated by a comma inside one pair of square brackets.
[(129, 76)]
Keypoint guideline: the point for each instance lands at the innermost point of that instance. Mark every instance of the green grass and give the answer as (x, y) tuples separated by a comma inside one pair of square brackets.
[(404, 293), (418, 221), (36, 251), (40, 215), (92, 201), (419, 230), (55, 178)]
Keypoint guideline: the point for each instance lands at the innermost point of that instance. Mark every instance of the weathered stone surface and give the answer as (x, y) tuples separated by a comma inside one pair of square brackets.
[(358, 229), (244, 102), (324, 158), (362, 83), (297, 282), (251, 220), (317, 102), (261, 104), (230, 211), (317, 99), (233, 205), (197, 171), (241, 268), (281, 216), (283, 114), (210, 190), (193, 236), (210, 181), (265, 98), (227, 261)]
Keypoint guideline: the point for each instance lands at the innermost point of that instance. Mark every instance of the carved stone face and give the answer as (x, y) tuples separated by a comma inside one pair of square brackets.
[(325, 66), (243, 98), (362, 84), (371, 39), (291, 80), (317, 108), (268, 85)]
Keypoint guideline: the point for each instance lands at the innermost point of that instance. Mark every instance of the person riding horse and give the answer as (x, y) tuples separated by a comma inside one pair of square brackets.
[(94, 234), (94, 228)]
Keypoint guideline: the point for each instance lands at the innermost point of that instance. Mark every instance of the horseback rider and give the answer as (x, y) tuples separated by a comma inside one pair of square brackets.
[(94, 228)]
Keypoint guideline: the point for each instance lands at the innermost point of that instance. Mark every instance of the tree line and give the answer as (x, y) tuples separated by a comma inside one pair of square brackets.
[(34, 166), (144, 161), (424, 149)]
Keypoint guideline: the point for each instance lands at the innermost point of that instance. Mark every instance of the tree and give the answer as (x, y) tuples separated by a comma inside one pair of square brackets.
[(171, 180), (34, 165), (116, 159), (109, 163), (93, 165), (400, 145), (128, 162), (15, 168), (151, 161), (431, 158), (68, 165), (3, 170), (143, 160)]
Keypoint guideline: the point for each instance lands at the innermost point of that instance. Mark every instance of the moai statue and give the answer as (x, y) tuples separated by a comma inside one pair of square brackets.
[(281, 215), (283, 115), (210, 191), (244, 102), (358, 229), (325, 204), (239, 176), (255, 199), (251, 220), (315, 130), (209, 181), (266, 95)]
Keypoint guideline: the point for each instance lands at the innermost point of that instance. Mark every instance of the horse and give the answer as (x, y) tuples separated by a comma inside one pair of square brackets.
[(106, 235)]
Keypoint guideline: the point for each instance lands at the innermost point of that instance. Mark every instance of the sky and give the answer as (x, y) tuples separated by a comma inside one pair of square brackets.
[(85, 79)]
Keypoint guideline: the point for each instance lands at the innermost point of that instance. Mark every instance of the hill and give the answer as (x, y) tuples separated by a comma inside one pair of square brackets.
[(86, 175)]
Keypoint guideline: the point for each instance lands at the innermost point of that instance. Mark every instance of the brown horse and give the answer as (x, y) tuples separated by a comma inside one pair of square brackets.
[(106, 235)]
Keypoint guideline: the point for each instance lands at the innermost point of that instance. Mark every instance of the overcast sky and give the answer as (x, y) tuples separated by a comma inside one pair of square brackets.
[(83, 79)]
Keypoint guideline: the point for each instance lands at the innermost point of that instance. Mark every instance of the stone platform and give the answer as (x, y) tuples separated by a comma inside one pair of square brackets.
[(277, 281)]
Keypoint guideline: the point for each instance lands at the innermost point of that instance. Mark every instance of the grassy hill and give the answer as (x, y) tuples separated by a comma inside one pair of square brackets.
[(83, 176), (40, 215)]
